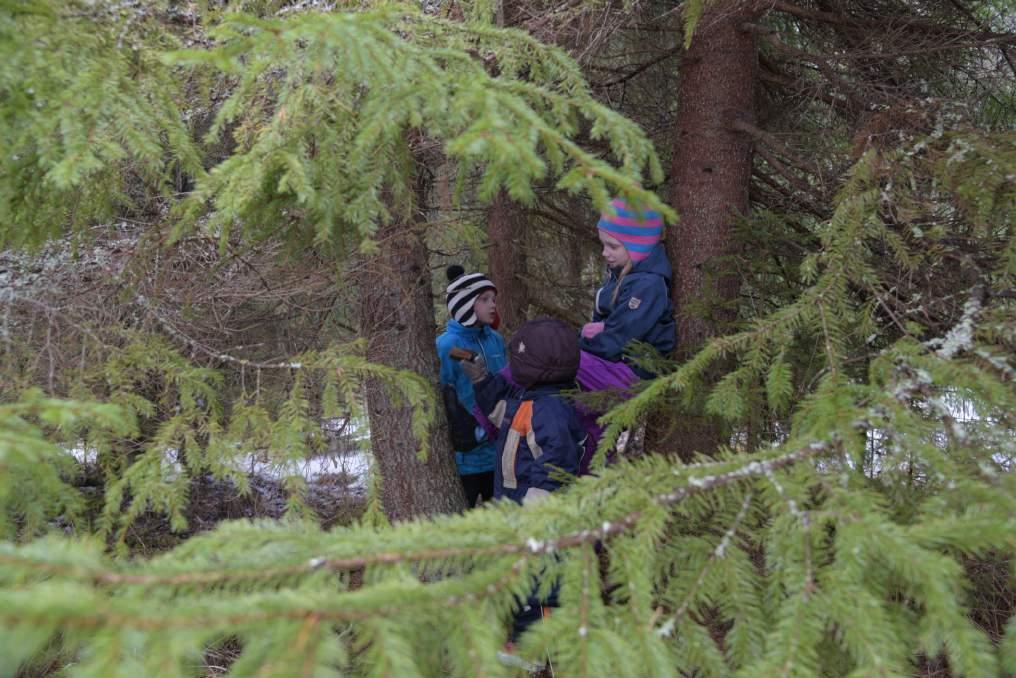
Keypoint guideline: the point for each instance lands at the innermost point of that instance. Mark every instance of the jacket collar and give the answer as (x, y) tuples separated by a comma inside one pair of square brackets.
[(455, 327), (656, 262)]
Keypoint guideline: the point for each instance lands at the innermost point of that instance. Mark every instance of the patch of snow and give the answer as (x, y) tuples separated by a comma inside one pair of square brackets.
[(355, 465), (83, 455)]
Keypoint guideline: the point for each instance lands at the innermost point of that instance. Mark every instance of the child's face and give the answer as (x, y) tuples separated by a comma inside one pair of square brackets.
[(614, 253), (484, 307)]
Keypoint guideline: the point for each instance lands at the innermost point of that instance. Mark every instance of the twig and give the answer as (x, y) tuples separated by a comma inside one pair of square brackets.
[(340, 613), (198, 346), (908, 21), (641, 68), (782, 170), (770, 140)]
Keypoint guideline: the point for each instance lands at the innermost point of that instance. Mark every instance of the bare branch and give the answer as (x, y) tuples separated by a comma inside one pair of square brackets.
[(933, 27)]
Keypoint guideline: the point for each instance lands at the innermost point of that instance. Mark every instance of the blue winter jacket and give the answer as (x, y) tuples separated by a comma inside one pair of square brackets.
[(642, 312), (552, 442), (490, 345)]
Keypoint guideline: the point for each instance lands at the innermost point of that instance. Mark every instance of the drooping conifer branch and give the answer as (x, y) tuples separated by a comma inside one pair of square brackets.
[(848, 556), (717, 475)]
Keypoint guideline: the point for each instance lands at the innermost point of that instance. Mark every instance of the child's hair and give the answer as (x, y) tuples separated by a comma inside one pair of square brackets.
[(620, 278)]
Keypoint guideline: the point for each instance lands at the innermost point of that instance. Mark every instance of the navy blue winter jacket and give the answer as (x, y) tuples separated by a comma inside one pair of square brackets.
[(642, 311), (550, 439)]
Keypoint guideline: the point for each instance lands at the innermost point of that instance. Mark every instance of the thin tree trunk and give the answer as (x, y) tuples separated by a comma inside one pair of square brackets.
[(710, 175), (506, 228), (397, 319)]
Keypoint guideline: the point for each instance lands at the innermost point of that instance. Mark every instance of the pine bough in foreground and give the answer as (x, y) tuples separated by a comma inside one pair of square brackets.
[(793, 557)]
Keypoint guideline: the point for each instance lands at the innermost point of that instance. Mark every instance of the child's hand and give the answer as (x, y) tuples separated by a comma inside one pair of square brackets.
[(475, 369), (590, 330)]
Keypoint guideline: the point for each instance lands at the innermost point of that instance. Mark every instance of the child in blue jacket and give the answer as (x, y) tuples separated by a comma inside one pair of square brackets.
[(472, 305)]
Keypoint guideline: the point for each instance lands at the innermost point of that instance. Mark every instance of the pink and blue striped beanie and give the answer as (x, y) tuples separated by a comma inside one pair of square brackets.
[(638, 234)]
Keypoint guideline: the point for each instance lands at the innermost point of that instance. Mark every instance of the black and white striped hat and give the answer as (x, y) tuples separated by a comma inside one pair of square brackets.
[(463, 289)]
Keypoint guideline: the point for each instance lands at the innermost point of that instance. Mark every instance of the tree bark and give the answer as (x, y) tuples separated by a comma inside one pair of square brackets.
[(711, 163), (506, 228), (397, 319), (711, 173)]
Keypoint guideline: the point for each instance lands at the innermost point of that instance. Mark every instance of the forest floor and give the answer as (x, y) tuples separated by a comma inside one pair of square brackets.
[(336, 492)]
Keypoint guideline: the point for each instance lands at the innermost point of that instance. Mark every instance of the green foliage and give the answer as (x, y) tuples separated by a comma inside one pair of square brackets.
[(835, 545), (904, 405), (830, 546), (35, 470), (691, 13), (329, 110), (86, 109), (163, 424)]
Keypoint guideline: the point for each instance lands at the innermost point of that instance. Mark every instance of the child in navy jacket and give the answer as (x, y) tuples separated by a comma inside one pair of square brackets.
[(539, 431), (632, 305), (634, 302), (540, 438)]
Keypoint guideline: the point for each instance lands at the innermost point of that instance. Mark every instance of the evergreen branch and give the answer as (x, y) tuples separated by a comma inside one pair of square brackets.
[(351, 606), (745, 468), (717, 553), (781, 169), (196, 345), (770, 140), (961, 336)]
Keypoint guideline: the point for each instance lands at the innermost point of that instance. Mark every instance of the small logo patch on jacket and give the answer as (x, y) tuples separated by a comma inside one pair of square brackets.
[(634, 303)]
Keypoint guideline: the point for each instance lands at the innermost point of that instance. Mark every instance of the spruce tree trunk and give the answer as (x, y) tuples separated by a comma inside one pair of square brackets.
[(711, 164), (397, 319), (506, 228), (711, 173)]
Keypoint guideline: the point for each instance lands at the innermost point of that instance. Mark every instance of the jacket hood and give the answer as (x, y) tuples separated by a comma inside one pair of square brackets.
[(544, 351), (657, 263)]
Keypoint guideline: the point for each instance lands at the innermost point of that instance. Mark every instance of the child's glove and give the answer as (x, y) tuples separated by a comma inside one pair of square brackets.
[(590, 330), (475, 369)]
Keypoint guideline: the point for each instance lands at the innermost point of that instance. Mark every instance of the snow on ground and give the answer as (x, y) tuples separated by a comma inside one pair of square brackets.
[(348, 459), (354, 464)]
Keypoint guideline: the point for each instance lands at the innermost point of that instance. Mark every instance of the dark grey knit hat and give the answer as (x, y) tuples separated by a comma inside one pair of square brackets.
[(544, 351), (463, 289)]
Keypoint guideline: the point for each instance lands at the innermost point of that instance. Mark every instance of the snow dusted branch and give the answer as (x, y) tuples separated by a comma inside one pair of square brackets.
[(961, 336), (719, 552), (696, 485)]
